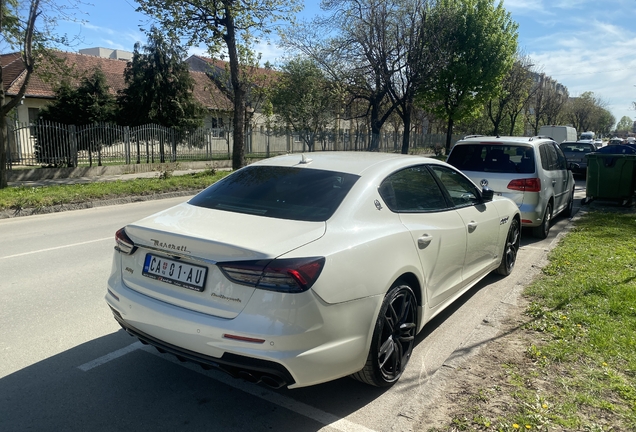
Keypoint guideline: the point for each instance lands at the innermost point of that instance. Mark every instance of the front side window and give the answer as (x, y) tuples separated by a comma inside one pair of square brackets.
[(462, 191), (412, 190), (280, 192), (549, 157), (562, 162)]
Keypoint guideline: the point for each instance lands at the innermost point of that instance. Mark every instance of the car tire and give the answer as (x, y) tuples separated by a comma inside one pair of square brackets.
[(511, 248), (393, 338), (542, 230)]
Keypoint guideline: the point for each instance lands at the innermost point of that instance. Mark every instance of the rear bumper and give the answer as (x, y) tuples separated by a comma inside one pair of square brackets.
[(530, 207), (251, 369), (305, 341)]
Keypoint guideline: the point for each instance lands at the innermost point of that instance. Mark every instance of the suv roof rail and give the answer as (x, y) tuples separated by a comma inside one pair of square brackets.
[(541, 137), (473, 136)]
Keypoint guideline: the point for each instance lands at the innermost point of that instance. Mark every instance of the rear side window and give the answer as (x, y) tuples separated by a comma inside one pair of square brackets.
[(497, 158), (279, 192)]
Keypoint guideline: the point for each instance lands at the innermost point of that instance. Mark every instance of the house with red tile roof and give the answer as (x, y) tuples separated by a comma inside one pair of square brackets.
[(49, 74)]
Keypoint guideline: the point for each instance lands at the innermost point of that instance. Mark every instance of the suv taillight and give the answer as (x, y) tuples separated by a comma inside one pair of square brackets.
[(124, 243), (290, 275), (525, 185)]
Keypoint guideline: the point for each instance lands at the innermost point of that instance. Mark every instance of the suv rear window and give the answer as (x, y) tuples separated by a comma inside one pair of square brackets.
[(495, 158), (279, 192)]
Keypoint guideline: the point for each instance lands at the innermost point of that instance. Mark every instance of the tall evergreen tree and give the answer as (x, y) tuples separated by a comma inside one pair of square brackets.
[(91, 102), (159, 87)]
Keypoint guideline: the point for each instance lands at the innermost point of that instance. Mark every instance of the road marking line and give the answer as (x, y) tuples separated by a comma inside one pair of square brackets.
[(260, 392), (57, 247), (110, 356), (264, 393)]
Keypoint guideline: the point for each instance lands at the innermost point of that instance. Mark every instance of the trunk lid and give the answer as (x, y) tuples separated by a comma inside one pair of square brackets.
[(178, 250)]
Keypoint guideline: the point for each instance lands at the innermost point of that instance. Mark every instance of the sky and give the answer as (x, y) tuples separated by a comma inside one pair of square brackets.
[(586, 45)]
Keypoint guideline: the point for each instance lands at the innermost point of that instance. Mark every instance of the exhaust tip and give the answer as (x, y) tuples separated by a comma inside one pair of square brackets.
[(247, 376), (272, 381)]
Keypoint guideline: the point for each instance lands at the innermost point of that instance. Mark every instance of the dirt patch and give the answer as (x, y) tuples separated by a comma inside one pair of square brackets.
[(481, 385)]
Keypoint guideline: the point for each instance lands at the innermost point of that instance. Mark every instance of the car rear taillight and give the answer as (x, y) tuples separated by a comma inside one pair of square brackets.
[(124, 243), (290, 275), (526, 185)]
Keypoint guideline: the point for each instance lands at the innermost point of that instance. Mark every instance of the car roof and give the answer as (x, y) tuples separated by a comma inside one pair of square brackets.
[(503, 140), (347, 162)]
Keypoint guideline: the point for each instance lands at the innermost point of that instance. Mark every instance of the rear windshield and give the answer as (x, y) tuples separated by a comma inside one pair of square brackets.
[(280, 192), (577, 148), (495, 158)]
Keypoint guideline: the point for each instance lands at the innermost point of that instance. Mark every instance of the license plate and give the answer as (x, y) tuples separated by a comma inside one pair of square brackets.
[(175, 272)]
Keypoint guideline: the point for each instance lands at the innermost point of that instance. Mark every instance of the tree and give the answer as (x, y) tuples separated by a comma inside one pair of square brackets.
[(16, 30), (91, 102), (416, 58), (479, 40), (359, 52), (624, 124), (583, 111), (515, 90), (228, 26), (303, 100), (545, 106), (18, 19), (605, 122), (159, 87)]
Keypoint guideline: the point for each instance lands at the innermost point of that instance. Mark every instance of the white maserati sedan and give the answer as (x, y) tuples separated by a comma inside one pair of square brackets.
[(301, 269)]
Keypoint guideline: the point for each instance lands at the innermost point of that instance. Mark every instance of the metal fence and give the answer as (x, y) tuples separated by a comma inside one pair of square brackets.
[(50, 144)]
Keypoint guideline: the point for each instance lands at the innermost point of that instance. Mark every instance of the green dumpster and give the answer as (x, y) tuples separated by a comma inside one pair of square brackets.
[(610, 177)]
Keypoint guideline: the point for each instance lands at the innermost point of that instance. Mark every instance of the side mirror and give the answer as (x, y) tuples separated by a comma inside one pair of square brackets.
[(487, 194)]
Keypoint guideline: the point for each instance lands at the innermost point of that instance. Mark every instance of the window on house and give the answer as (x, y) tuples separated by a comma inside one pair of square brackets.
[(34, 113)]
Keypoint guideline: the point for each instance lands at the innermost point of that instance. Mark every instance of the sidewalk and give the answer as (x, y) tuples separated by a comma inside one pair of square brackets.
[(60, 176), (93, 179)]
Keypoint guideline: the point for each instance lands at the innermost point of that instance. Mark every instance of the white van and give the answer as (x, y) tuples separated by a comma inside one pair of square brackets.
[(587, 136), (559, 133)]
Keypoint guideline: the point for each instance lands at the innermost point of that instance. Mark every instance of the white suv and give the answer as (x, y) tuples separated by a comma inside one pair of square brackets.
[(532, 171)]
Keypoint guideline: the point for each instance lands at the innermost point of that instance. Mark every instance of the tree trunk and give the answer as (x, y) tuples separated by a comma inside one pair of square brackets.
[(3, 152), (449, 134), (238, 155), (406, 137)]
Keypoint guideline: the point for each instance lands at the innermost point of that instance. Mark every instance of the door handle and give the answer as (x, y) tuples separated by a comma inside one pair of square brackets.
[(424, 241), (472, 226), (553, 182)]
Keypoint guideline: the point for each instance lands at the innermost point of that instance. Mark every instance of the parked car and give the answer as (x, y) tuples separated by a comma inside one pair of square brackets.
[(532, 171), (575, 154), (598, 143), (294, 271)]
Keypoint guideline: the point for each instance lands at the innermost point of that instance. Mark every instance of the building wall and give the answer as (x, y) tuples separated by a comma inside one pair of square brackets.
[(108, 53)]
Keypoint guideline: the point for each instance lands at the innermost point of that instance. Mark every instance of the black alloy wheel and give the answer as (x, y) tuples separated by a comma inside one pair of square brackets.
[(393, 338), (511, 248)]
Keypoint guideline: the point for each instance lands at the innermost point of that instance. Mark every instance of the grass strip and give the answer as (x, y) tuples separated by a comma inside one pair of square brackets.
[(17, 198), (578, 371)]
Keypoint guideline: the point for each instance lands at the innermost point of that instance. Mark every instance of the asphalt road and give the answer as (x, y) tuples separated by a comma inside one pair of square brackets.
[(66, 365)]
